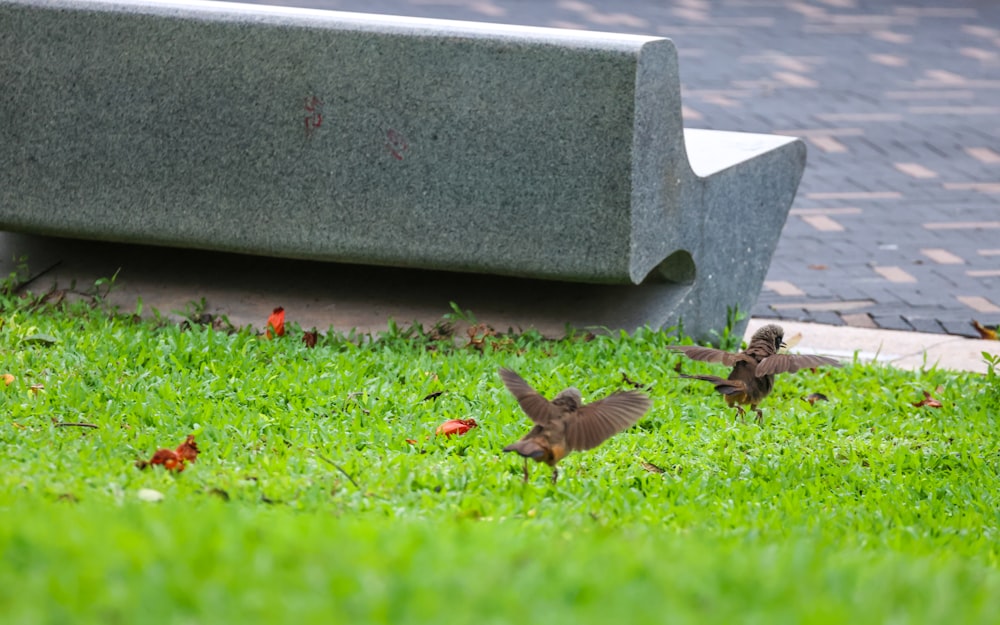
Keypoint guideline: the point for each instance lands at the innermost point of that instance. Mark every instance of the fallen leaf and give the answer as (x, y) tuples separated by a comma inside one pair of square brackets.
[(8, 379), (792, 341), (812, 398), (990, 334), (173, 459), (43, 339), (188, 450), (652, 468), (442, 330), (36, 388), (310, 338), (433, 395), (411, 441), (148, 494), (928, 400), (817, 267), (218, 492), (276, 323), (456, 426)]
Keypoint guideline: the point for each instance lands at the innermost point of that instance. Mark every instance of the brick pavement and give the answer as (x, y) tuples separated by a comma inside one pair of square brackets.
[(897, 221)]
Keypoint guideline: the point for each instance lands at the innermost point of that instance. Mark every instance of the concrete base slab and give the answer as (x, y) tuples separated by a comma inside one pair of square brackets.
[(345, 297), (325, 295)]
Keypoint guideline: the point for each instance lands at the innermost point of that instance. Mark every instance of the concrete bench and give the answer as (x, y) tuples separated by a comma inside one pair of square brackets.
[(444, 145)]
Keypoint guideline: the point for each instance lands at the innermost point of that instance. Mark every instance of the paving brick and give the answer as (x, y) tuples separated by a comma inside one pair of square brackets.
[(891, 322), (923, 324), (826, 317), (960, 327)]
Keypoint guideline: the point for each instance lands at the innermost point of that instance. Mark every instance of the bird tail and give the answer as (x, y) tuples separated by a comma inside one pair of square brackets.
[(724, 386), (527, 448)]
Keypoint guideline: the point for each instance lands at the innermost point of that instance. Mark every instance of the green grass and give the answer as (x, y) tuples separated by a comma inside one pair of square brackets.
[(863, 509)]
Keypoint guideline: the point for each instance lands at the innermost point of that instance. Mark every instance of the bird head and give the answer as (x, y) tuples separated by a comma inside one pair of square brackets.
[(770, 334), (569, 399)]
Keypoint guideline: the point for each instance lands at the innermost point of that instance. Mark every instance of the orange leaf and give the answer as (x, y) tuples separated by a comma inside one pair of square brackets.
[(411, 441), (456, 426), (7, 378), (276, 323)]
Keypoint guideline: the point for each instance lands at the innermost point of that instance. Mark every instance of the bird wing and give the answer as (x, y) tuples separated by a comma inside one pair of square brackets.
[(790, 363), (538, 409), (706, 354), (723, 385), (596, 422)]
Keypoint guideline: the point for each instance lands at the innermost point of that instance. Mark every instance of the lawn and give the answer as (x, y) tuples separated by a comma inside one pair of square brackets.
[(322, 494)]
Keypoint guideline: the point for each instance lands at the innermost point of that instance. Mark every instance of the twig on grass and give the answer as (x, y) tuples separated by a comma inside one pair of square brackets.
[(64, 424), (337, 467)]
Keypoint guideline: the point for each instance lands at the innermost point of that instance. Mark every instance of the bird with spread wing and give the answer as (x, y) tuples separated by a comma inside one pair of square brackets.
[(566, 424), (752, 377)]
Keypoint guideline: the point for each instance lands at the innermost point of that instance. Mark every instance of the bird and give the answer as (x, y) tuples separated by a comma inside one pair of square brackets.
[(752, 377), (566, 424)]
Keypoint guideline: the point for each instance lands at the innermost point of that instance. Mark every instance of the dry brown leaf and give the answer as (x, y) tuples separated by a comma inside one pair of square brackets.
[(990, 334), (812, 398), (929, 400), (652, 468), (792, 341)]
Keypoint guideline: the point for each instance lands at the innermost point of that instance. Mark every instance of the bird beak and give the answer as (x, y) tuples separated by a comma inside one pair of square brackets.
[(783, 345)]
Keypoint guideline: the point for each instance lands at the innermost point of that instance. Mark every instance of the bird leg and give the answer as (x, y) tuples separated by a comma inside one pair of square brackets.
[(555, 474), (525, 470), (759, 419), (741, 413)]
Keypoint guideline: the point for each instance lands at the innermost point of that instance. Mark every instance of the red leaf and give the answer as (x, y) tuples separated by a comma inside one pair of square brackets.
[(456, 426), (173, 459), (188, 450), (276, 323)]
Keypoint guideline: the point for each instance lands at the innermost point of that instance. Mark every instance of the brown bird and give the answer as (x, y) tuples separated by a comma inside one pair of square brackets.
[(752, 377), (566, 424)]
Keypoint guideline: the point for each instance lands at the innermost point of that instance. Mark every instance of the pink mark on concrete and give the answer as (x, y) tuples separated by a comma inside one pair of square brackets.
[(314, 116), (396, 144)]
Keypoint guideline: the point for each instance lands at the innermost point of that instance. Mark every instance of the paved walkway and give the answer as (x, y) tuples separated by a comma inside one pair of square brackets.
[(897, 221)]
